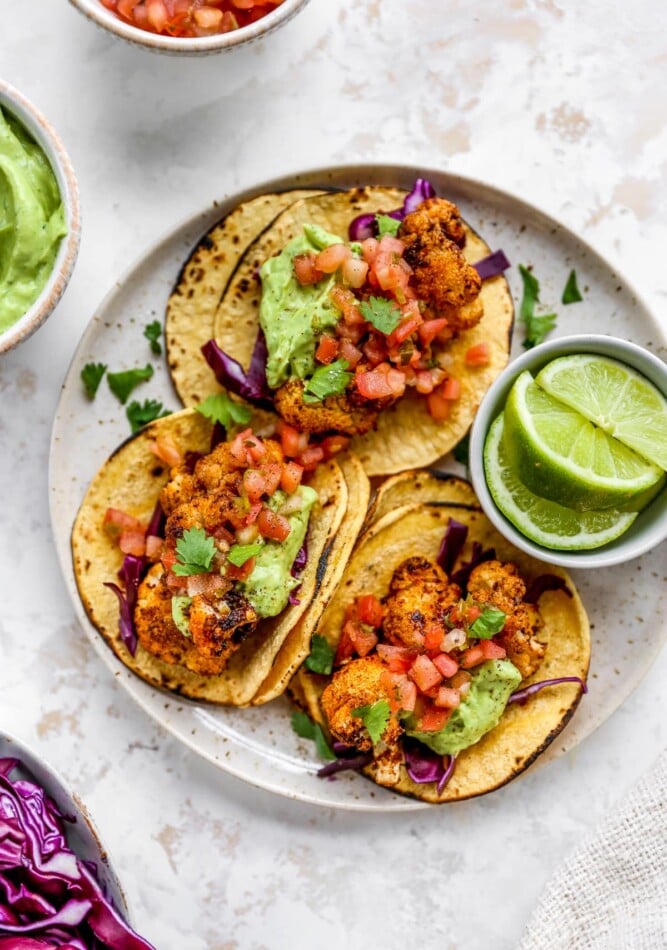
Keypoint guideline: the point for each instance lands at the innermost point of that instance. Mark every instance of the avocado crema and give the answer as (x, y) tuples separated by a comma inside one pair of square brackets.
[(293, 315), (270, 583), (491, 686), (32, 220)]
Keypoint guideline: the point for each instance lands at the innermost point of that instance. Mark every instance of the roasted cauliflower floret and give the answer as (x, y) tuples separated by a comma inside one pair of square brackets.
[(179, 489), (500, 585), (358, 683), (441, 276), (419, 595), (333, 414), (219, 623)]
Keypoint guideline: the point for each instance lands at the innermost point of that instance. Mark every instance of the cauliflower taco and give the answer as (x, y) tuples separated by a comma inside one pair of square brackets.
[(448, 660), (204, 560), (362, 315)]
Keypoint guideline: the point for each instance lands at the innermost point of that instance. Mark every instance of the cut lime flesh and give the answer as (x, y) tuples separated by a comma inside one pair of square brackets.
[(560, 455), (613, 396), (549, 524)]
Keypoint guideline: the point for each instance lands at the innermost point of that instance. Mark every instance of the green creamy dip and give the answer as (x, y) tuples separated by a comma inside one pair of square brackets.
[(491, 686), (270, 583), (294, 315), (32, 220)]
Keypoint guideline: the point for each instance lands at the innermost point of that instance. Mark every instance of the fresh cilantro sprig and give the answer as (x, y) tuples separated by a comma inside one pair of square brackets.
[(238, 554), (571, 292), (304, 727), (91, 377), (375, 717), (140, 414), (490, 622), (326, 381), (537, 325), (195, 552), (383, 314), (121, 384), (321, 656), (387, 225), (220, 408), (153, 332)]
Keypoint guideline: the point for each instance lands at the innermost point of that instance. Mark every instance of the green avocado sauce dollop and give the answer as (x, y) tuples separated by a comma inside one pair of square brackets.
[(32, 220), (491, 686), (270, 583), (294, 315)]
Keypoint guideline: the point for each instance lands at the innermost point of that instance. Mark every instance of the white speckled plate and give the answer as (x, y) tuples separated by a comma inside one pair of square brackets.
[(626, 603)]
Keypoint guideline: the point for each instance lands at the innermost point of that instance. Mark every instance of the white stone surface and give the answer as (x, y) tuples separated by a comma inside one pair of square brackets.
[(561, 103)]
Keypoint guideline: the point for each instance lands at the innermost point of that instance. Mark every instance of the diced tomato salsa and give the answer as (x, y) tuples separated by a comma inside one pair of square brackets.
[(190, 17)]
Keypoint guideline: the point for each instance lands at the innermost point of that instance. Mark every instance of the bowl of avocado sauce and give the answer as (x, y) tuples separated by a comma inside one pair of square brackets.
[(39, 218)]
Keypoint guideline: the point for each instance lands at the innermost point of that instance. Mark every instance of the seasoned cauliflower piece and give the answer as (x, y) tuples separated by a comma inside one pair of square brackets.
[(333, 414), (419, 595)]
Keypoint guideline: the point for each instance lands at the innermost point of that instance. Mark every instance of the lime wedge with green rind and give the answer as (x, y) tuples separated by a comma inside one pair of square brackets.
[(613, 396), (560, 455), (545, 522)]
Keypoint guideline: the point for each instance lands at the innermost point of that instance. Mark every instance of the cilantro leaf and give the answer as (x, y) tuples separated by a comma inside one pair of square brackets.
[(238, 554), (91, 376), (387, 225), (153, 332), (375, 717), (220, 408), (537, 326), (321, 656), (462, 450), (140, 414), (490, 622), (326, 381), (571, 292), (304, 727), (382, 313), (122, 384), (195, 551), (180, 614)]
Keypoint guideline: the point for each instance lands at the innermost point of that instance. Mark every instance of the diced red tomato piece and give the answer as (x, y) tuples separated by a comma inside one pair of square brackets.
[(133, 541), (381, 382), (433, 637), (345, 648), (169, 557), (370, 610), (448, 698), (472, 657), (363, 638), (478, 355), (292, 441), (424, 384), (438, 407), (311, 458), (369, 248), (241, 573), (306, 270), (354, 272), (405, 329), (451, 388), (122, 520), (252, 514), (154, 547), (445, 664), (327, 349), (430, 329), (165, 449), (273, 526), (424, 673), (204, 583), (238, 449), (375, 349), (255, 448), (254, 484), (350, 353), (333, 444), (290, 478), (272, 472), (433, 719), (492, 651), (407, 695), (331, 258), (398, 659)]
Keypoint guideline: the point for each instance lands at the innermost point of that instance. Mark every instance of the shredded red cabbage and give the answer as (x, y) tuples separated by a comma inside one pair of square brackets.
[(343, 764), (130, 576), (545, 582), (218, 435), (425, 766), (523, 694), (298, 565), (250, 385), (157, 522), (48, 897), (492, 266), (365, 225), (451, 545), (478, 556)]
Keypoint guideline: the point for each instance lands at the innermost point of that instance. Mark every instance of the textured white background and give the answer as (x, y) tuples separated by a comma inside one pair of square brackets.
[(561, 102)]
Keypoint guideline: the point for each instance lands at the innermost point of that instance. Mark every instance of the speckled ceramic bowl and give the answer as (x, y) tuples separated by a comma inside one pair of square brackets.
[(189, 46), (650, 527), (82, 835), (47, 139)]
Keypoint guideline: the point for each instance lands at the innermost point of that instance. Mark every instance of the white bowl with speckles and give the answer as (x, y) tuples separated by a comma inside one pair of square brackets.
[(650, 527), (48, 140), (96, 12)]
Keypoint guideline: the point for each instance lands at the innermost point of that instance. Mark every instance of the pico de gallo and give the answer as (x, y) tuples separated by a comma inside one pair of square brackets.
[(190, 17)]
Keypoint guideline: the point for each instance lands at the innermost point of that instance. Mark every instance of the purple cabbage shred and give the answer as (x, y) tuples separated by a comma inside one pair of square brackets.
[(250, 385), (523, 694), (48, 897), (365, 225), (157, 522), (346, 763), (478, 556), (451, 545), (545, 582), (130, 575), (492, 266), (425, 766), (298, 565)]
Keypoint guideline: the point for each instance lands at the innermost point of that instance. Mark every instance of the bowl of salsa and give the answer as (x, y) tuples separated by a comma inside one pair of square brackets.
[(189, 27), (39, 218)]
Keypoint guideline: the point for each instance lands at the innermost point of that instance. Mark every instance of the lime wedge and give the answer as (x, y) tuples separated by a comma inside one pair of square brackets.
[(616, 398), (551, 525), (560, 455)]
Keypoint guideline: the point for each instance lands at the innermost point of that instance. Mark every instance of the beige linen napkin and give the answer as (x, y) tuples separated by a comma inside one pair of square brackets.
[(611, 894)]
